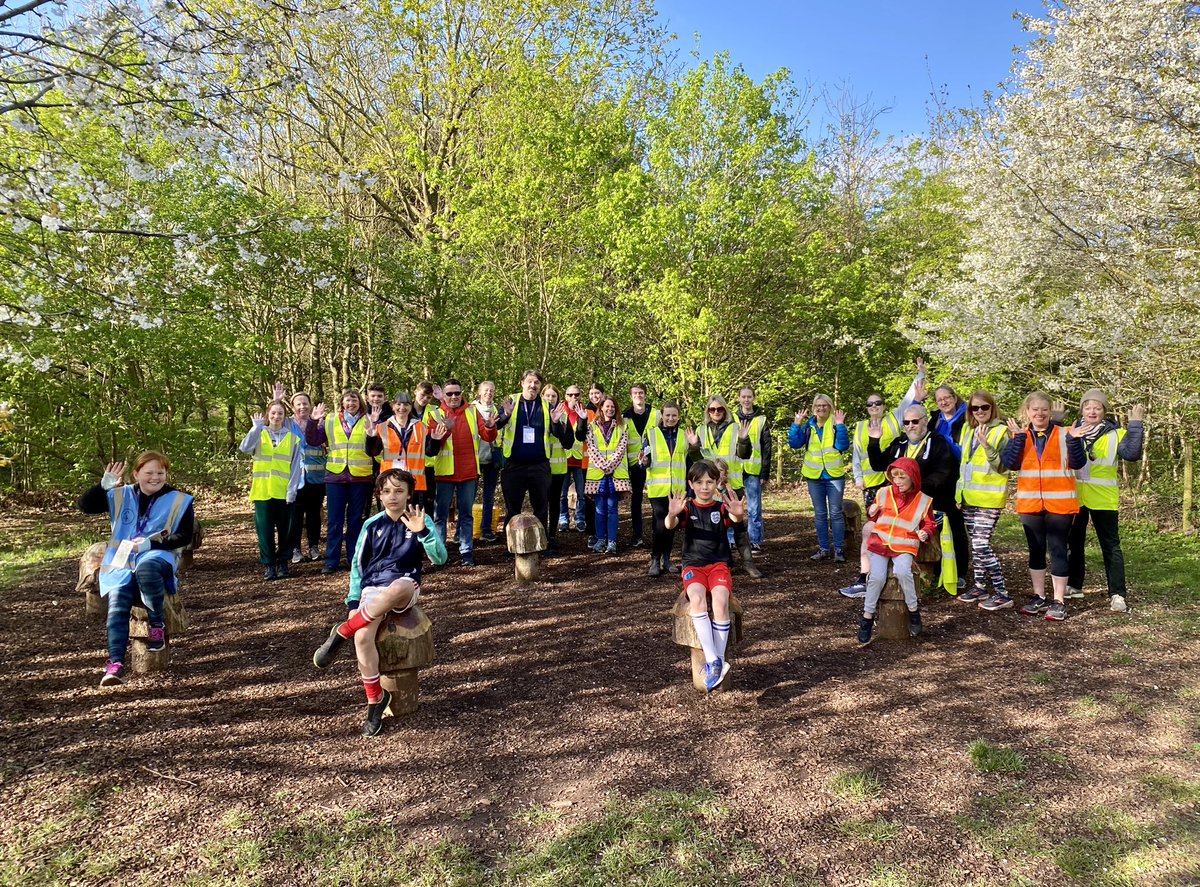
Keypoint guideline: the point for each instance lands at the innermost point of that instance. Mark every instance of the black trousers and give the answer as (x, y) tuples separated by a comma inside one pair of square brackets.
[(1110, 547), (556, 488), (663, 539), (430, 495), (637, 483), (519, 478), (1045, 530), (307, 515)]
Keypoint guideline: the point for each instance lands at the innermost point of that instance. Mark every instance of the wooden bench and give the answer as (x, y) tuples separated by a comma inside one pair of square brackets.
[(683, 632)]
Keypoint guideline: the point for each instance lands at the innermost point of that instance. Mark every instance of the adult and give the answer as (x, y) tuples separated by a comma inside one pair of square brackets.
[(664, 458), (939, 472), (490, 460), (452, 442), (577, 418), (756, 469), (348, 476), (1045, 459), (277, 475), (1104, 442), (825, 441), (951, 417), (982, 493), (306, 518), (529, 426), (608, 470), (399, 443), (592, 408), (151, 522), (638, 417), (719, 437), (558, 463)]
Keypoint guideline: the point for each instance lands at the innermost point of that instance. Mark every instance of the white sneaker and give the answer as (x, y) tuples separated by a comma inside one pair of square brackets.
[(1073, 594), (1116, 603), (296, 556)]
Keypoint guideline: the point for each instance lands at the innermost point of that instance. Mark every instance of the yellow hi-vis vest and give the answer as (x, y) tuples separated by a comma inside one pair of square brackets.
[(607, 450), (820, 455), (509, 435), (949, 576), (347, 450), (443, 463), (725, 447), (1097, 481), (272, 467), (978, 485), (753, 465), (667, 474), (862, 437), (638, 441)]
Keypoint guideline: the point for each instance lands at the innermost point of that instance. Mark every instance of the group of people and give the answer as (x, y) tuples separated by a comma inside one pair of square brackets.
[(417, 456)]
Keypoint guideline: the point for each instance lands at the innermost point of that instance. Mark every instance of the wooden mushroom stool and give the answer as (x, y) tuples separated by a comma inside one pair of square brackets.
[(89, 580), (405, 644), (683, 632), (141, 660), (891, 619), (926, 565), (853, 514), (526, 539)]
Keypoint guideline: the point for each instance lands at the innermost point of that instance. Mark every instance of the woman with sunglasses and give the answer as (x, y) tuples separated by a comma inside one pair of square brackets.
[(720, 437), (982, 493), (825, 442)]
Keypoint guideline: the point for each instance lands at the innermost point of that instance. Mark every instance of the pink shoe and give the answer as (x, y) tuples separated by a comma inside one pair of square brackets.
[(114, 674)]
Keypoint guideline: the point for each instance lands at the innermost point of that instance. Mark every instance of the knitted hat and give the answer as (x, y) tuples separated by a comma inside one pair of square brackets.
[(1094, 394)]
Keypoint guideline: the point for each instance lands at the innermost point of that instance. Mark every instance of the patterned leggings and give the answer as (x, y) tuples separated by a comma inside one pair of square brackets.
[(981, 523)]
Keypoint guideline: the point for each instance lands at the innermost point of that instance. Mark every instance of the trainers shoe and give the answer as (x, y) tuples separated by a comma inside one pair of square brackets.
[(866, 627), (838, 556), (375, 713), (1056, 612), (314, 555), (468, 560), (328, 651), (973, 595), (610, 548), (157, 641), (655, 567), (962, 583), (1035, 607), (1116, 603), (581, 529), (857, 590), (914, 623), (114, 674), (281, 570), (327, 569), (296, 556), (714, 673), (821, 555), (270, 574), (489, 538), (562, 526), (638, 542), (1074, 594), (997, 601), (591, 543), (669, 567), (755, 547)]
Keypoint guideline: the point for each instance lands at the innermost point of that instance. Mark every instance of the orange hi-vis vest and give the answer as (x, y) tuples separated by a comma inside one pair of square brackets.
[(1046, 483), (412, 458), (898, 528)]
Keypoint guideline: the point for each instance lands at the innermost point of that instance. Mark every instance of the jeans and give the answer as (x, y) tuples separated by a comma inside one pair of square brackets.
[(344, 509), (1110, 546), (606, 516), (465, 490), (576, 478), (826, 495), (754, 521), (150, 579), (491, 473)]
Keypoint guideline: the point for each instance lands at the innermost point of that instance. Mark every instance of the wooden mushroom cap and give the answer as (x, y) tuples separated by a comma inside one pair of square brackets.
[(526, 535), (406, 641)]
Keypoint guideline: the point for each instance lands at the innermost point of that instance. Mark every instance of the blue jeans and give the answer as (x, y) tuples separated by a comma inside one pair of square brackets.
[(491, 473), (575, 476), (754, 523), (465, 490), (826, 495), (606, 516), (150, 579), (344, 504)]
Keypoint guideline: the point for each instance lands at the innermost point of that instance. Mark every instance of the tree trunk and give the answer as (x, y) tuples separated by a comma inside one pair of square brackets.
[(1187, 484)]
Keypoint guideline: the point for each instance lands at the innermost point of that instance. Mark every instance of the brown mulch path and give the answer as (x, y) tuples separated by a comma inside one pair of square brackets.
[(566, 691)]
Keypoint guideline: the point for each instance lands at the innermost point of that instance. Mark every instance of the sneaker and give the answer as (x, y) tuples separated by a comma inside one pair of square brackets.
[(821, 555), (157, 642), (562, 526), (1116, 603), (114, 674), (1073, 594), (914, 623), (838, 556), (997, 601), (610, 548), (1035, 607), (638, 542), (857, 590), (281, 570), (755, 547), (1056, 612), (327, 569), (962, 583), (714, 673), (468, 560), (297, 557), (581, 529), (270, 574), (489, 538), (591, 543), (866, 627), (314, 555), (669, 567), (973, 595), (551, 547), (655, 567), (375, 712), (328, 651)]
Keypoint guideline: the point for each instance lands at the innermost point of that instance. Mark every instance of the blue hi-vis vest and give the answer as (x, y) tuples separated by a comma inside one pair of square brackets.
[(164, 513)]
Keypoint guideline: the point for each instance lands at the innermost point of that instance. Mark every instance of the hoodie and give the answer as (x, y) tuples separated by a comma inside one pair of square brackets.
[(910, 467)]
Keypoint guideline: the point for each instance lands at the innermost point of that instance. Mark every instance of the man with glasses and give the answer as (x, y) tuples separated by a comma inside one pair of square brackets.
[(452, 442), (576, 466)]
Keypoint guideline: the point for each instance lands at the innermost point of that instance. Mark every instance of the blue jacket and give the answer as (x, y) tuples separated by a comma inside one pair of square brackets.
[(798, 437), (951, 428)]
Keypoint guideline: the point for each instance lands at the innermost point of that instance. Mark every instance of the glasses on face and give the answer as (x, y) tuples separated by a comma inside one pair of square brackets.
[(874, 403), (453, 393), (716, 409), (913, 421), (980, 407), (572, 394)]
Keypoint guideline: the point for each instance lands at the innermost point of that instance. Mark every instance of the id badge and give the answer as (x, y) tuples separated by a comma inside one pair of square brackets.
[(527, 435), (121, 558)]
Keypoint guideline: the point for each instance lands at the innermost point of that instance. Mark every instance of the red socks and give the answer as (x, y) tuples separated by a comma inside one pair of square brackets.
[(373, 688), (360, 619)]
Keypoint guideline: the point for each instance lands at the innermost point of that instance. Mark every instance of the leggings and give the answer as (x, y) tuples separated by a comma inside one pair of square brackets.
[(1046, 530), (981, 524)]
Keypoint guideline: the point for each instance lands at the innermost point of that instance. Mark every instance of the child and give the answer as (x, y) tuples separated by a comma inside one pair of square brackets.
[(384, 577), (706, 561), (903, 518), (277, 475)]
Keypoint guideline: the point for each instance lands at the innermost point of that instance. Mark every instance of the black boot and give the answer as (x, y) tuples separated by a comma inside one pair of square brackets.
[(655, 566), (375, 712)]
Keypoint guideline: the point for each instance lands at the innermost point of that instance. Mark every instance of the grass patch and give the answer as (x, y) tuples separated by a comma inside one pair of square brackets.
[(1041, 678), (22, 557), (989, 758), (875, 829), (1121, 659), (890, 876), (1085, 708), (856, 786), (1165, 787)]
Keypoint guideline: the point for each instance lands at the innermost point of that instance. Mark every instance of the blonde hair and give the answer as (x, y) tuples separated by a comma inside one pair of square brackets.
[(1034, 396), (822, 397)]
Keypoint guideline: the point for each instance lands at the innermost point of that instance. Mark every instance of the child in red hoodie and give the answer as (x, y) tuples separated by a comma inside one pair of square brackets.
[(903, 518)]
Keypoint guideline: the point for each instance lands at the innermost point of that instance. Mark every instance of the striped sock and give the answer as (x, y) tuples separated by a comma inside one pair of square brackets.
[(373, 688), (360, 619), (720, 632), (704, 631)]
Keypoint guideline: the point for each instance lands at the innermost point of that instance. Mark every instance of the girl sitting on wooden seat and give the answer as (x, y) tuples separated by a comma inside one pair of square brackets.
[(903, 518)]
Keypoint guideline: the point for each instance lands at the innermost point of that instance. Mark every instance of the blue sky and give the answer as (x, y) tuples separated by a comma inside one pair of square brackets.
[(890, 52)]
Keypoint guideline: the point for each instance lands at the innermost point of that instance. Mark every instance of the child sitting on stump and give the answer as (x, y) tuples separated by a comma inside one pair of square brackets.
[(385, 576), (903, 518), (706, 561)]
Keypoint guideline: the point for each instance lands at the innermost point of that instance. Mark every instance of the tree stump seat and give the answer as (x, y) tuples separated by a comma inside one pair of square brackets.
[(405, 644), (853, 514), (683, 632), (891, 619)]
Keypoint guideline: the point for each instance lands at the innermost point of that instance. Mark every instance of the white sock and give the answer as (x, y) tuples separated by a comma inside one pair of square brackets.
[(721, 636), (704, 631)]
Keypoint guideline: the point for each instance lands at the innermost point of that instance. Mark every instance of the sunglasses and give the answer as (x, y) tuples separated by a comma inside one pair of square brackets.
[(874, 403), (572, 394), (913, 421), (980, 407), (716, 409), (452, 393)]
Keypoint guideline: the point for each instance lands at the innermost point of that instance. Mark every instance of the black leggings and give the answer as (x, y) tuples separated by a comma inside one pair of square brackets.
[(1045, 530)]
